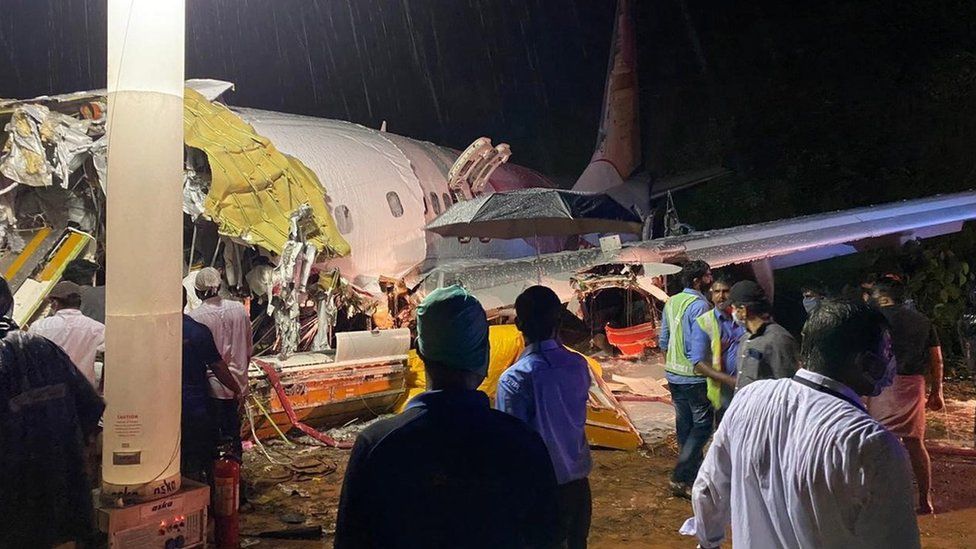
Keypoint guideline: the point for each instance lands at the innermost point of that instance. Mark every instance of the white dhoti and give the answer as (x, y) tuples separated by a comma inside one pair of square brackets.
[(901, 407)]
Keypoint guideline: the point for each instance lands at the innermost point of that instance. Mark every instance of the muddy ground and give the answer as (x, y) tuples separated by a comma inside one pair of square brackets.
[(632, 506)]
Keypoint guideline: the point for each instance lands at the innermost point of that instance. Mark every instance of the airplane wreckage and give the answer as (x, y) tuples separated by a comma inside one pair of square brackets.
[(333, 343), (332, 232)]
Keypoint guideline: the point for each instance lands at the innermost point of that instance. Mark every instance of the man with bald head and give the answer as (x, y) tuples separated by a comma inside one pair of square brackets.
[(449, 471)]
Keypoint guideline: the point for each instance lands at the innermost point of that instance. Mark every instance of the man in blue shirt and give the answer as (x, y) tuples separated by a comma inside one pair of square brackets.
[(693, 415), (198, 441), (547, 388), (449, 471), (715, 345)]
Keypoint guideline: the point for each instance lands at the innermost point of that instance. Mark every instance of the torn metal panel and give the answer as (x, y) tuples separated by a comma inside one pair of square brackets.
[(371, 186), (195, 187), (42, 145), (323, 392), (254, 187)]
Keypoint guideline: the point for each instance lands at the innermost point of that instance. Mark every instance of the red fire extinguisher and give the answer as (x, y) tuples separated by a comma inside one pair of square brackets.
[(227, 479)]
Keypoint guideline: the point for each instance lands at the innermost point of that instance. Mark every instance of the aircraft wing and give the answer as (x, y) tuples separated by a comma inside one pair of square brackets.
[(785, 243), (801, 240)]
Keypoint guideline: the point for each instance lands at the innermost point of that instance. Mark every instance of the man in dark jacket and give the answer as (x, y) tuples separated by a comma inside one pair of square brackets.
[(48, 412), (768, 351), (449, 471)]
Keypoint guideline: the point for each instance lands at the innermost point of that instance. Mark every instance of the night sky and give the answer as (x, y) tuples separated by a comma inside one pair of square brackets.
[(815, 105)]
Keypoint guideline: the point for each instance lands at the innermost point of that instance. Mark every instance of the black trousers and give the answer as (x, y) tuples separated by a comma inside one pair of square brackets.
[(575, 509), (228, 423), (198, 447)]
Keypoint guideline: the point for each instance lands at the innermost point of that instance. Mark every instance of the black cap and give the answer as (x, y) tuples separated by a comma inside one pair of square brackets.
[(747, 292)]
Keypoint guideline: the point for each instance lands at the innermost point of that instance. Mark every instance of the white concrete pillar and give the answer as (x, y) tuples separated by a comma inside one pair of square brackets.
[(141, 452)]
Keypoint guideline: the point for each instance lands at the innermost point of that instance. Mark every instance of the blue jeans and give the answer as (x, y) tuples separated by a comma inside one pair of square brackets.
[(693, 417)]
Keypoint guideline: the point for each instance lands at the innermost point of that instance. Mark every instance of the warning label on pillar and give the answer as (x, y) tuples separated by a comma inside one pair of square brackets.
[(128, 425)]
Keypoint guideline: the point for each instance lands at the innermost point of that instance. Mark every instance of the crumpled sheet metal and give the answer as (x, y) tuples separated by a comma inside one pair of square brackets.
[(194, 193), (254, 187), (42, 145), (371, 186)]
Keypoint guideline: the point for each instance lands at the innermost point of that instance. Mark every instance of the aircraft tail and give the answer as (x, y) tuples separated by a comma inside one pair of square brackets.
[(618, 150)]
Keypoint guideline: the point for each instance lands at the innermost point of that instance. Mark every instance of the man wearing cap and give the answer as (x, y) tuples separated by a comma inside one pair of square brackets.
[(449, 471), (80, 337), (548, 388), (230, 326), (693, 415), (767, 351)]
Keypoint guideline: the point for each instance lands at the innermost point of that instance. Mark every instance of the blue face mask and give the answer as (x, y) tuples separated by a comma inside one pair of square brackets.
[(810, 304)]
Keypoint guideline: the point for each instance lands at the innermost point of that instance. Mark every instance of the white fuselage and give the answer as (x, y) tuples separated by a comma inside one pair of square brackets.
[(382, 189)]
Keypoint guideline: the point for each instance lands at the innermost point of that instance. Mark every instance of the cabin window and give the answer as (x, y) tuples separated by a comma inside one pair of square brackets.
[(435, 203), (447, 201), (343, 219), (393, 199)]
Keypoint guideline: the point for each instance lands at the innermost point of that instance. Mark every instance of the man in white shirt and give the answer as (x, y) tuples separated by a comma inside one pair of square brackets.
[(80, 337), (799, 462), (231, 328)]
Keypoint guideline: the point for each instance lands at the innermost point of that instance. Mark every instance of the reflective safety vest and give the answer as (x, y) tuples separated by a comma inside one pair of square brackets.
[(708, 322), (675, 361)]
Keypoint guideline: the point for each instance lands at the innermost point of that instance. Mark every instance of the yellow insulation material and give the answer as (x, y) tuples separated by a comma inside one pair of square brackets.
[(607, 425), (254, 188)]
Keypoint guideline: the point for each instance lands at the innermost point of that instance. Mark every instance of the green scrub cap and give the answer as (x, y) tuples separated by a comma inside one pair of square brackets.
[(452, 330)]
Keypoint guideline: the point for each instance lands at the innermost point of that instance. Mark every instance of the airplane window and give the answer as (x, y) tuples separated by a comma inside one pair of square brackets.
[(435, 203), (393, 199), (447, 201), (343, 219)]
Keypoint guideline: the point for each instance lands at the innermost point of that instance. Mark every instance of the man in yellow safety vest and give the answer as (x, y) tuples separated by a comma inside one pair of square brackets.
[(693, 415), (714, 345)]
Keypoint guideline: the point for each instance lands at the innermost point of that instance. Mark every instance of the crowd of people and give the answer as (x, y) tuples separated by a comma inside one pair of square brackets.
[(812, 445), (51, 429)]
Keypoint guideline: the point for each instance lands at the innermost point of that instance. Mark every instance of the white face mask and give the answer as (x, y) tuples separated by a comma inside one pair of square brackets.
[(737, 319)]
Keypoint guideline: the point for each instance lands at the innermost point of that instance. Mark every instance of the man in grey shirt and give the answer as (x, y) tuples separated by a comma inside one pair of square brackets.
[(767, 351)]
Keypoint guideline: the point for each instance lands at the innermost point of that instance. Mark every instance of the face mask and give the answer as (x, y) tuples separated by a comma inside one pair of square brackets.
[(810, 304), (737, 319)]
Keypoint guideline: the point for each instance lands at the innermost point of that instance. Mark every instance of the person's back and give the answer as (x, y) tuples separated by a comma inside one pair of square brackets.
[(555, 405), (76, 334), (93, 302), (230, 325), (50, 411), (805, 455), (548, 388), (911, 338), (447, 472)]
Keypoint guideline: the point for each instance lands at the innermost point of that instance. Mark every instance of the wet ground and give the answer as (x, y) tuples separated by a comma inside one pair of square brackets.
[(632, 506)]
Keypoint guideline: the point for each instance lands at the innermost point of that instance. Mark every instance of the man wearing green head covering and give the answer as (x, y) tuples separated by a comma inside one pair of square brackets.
[(449, 471)]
